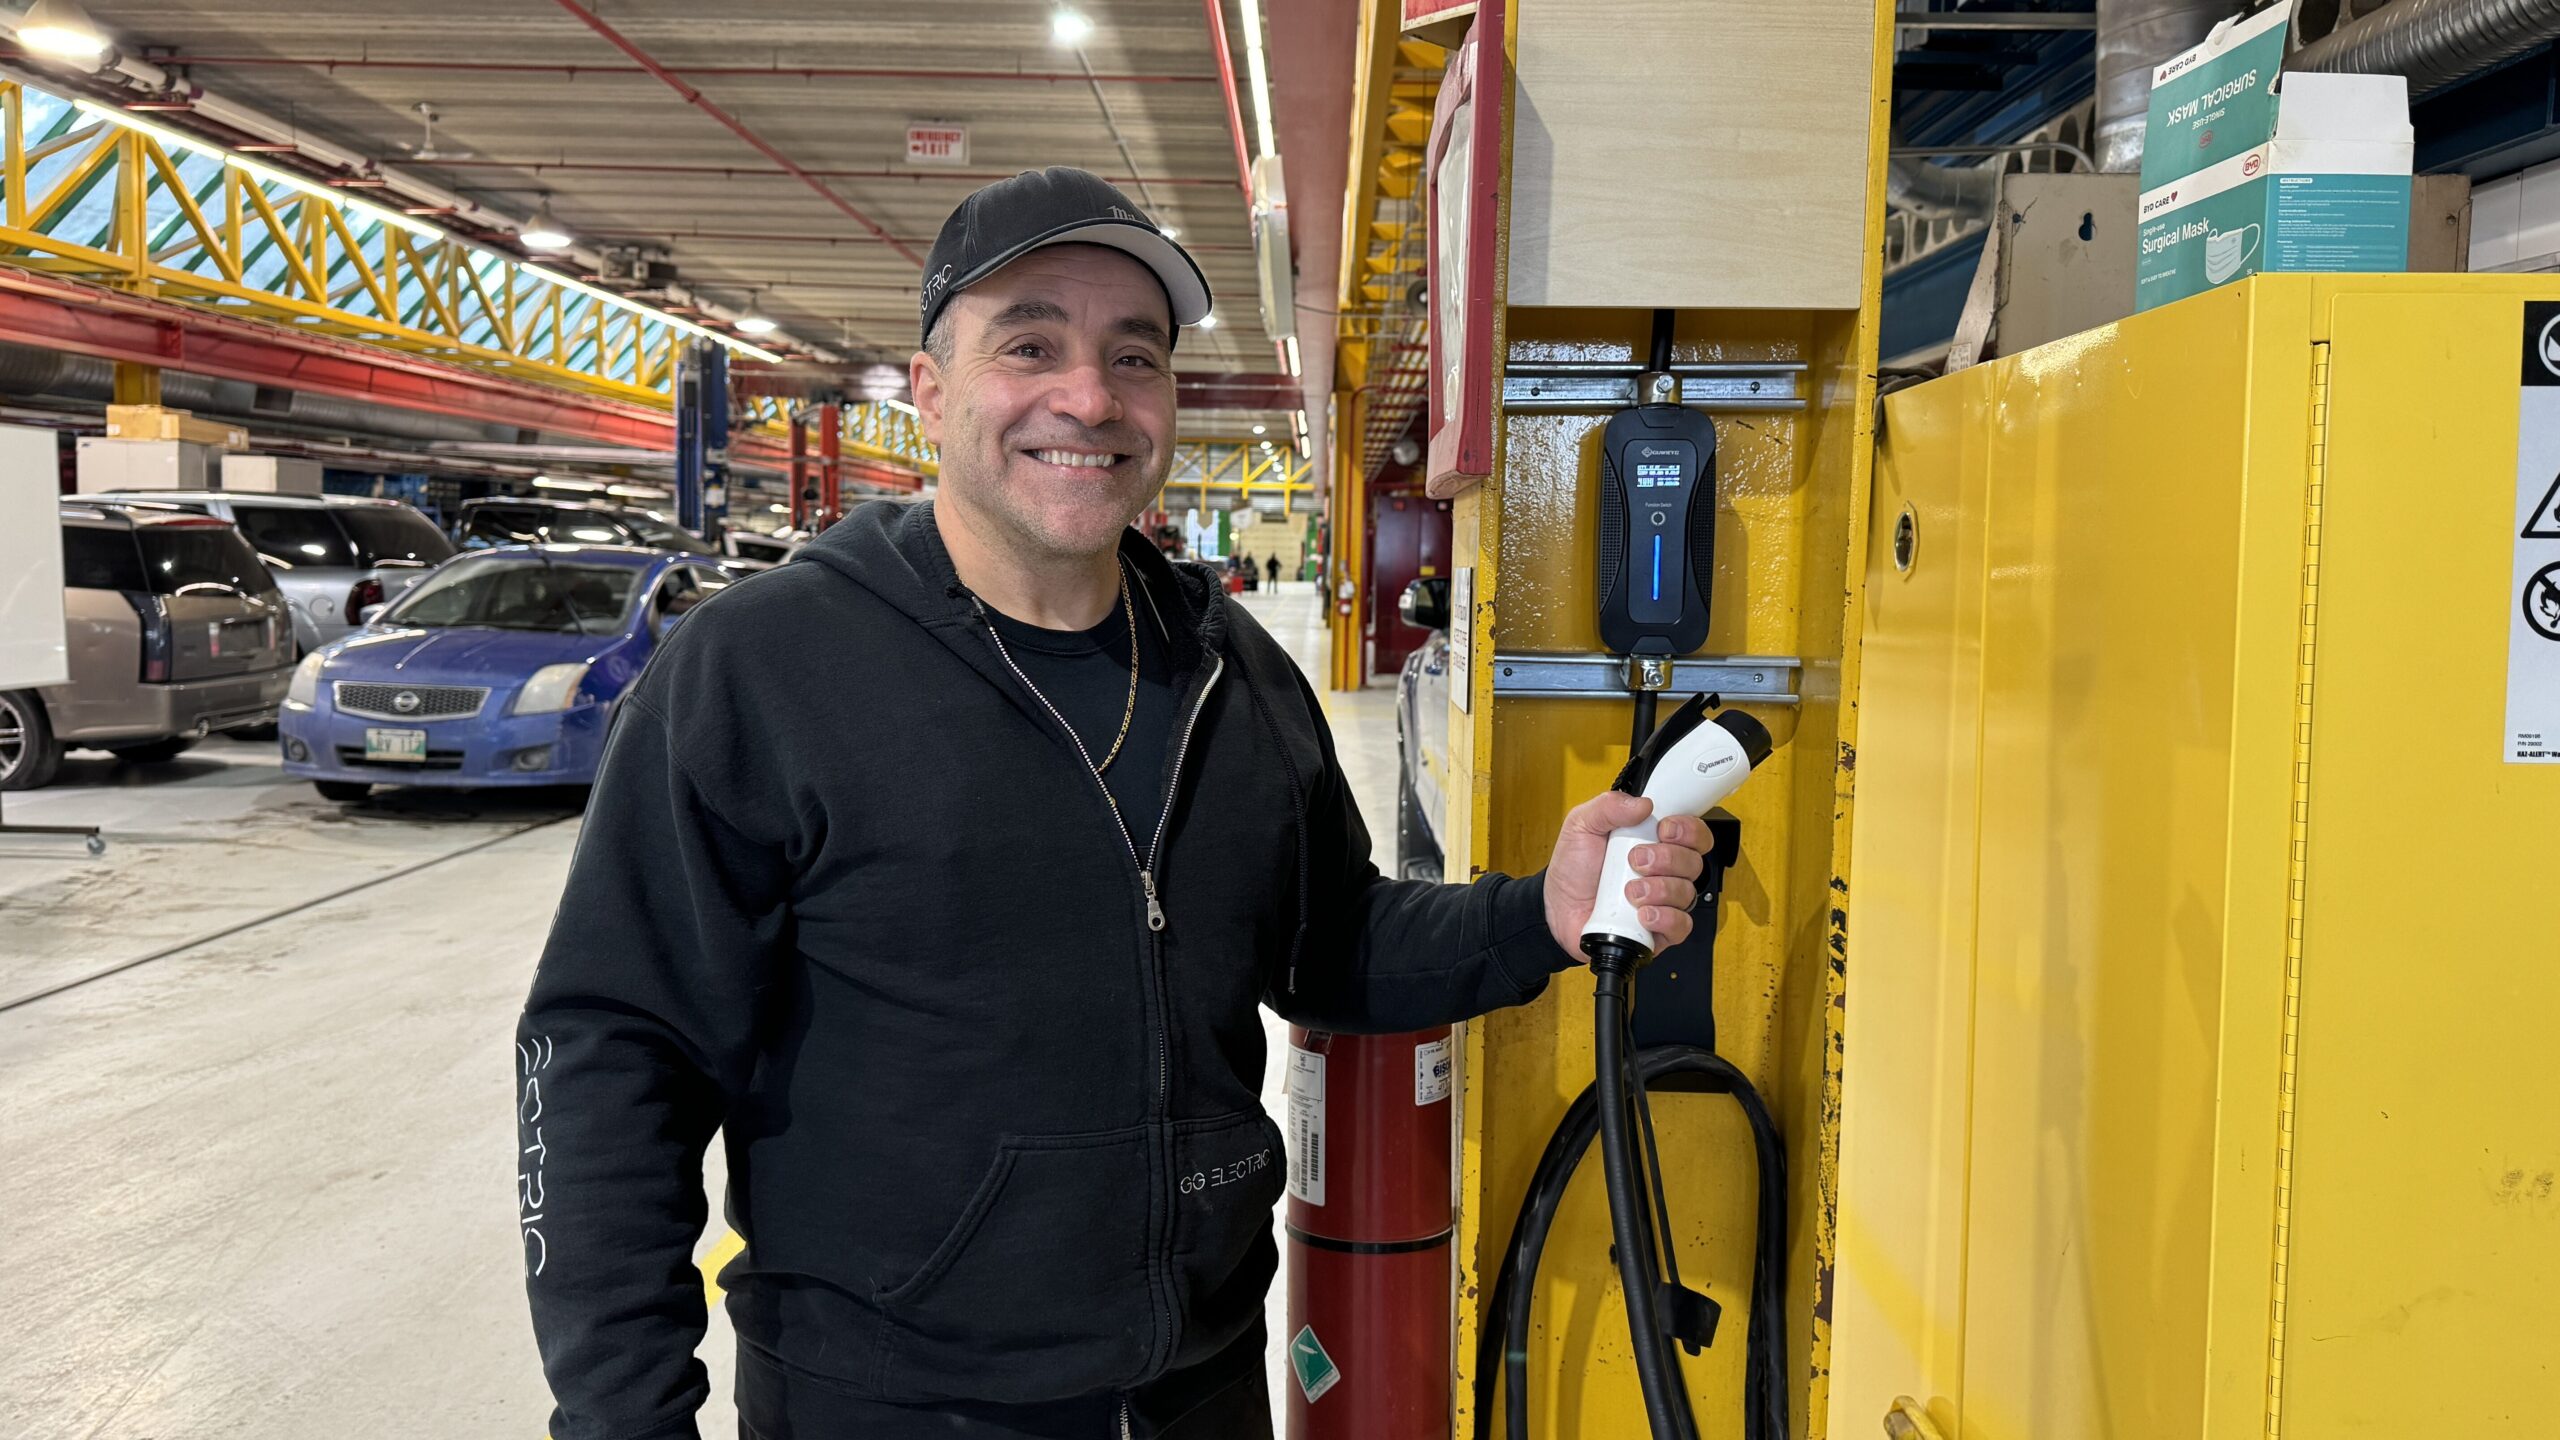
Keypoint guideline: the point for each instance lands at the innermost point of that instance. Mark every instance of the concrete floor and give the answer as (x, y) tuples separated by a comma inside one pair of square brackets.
[(262, 1184)]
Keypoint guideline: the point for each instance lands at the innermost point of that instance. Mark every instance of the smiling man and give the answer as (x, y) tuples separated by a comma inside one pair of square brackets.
[(941, 873)]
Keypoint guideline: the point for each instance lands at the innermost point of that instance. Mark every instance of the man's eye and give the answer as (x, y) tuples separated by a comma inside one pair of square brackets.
[(1029, 350), (1143, 361)]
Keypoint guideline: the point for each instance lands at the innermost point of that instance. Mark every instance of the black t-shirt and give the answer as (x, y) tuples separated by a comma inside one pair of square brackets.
[(1085, 674)]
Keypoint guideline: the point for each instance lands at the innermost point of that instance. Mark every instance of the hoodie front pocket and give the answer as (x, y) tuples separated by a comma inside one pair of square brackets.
[(1040, 1289), (1228, 1174)]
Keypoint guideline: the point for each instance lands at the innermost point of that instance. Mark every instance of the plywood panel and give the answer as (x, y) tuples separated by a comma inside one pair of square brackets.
[(1690, 153)]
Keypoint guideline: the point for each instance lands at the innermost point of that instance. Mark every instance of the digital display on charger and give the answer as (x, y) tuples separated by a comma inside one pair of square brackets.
[(1657, 475)]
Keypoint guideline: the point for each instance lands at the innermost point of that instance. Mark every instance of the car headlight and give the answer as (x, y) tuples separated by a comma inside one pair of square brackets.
[(305, 690), (553, 687)]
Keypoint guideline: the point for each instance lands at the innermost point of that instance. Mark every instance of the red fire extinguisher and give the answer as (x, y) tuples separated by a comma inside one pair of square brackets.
[(1370, 1187)]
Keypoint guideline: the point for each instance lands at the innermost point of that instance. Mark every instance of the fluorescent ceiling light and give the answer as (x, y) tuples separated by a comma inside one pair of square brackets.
[(755, 325), (1208, 322), (636, 492), (546, 482), (636, 308), (1170, 232), (1257, 429), (1261, 76), (273, 176), (61, 28), (542, 232), (1289, 352), (387, 216), (1069, 28)]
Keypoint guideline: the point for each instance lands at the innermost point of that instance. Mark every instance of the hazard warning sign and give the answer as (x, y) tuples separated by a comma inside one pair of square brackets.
[(2542, 522), (2533, 598)]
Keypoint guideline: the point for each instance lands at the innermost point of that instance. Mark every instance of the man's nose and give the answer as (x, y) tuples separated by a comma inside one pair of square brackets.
[(1083, 394)]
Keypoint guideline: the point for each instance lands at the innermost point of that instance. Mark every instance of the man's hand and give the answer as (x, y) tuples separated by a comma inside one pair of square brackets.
[(1666, 870)]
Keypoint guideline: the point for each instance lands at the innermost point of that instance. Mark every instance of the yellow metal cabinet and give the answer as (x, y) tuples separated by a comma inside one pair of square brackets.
[(2198, 1074)]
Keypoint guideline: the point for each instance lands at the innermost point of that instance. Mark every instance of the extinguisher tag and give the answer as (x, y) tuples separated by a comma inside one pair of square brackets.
[(1431, 1072), (1315, 1369), (1306, 1125)]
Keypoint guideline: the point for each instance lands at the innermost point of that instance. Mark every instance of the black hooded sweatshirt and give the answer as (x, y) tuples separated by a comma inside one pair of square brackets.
[(847, 894)]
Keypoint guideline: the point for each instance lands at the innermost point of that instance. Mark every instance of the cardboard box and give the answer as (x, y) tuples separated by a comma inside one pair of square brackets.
[(2241, 177), (271, 474), (156, 422)]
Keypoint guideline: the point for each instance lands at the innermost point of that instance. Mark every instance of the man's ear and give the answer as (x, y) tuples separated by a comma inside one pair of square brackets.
[(924, 381)]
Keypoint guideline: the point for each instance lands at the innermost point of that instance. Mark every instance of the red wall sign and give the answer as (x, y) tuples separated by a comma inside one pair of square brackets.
[(1463, 171)]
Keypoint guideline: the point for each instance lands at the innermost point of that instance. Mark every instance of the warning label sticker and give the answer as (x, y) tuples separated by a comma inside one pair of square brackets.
[(2533, 593), (1315, 1369), (1431, 1072), (1306, 1127)]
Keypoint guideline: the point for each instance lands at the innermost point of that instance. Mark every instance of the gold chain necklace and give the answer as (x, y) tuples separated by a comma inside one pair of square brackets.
[(1128, 711)]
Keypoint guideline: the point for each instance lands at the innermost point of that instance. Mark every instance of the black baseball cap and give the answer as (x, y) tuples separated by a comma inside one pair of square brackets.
[(1009, 219)]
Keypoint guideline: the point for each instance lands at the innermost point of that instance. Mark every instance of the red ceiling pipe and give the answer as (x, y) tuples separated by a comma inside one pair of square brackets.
[(695, 98), (769, 72), (1227, 79)]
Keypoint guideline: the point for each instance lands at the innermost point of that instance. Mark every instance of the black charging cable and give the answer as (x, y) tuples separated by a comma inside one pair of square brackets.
[(1502, 1353), (1616, 1110)]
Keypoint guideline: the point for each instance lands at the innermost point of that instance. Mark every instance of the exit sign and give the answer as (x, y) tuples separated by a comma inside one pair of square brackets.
[(937, 144)]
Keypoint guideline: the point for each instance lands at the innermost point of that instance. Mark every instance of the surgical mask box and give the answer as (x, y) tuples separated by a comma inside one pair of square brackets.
[(2241, 177)]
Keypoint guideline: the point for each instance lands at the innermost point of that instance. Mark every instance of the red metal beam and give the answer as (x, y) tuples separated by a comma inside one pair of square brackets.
[(736, 127), (1227, 78), (1245, 391), (60, 314), (747, 72)]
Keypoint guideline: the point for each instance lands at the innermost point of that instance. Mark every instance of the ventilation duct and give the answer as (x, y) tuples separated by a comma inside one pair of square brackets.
[(2133, 37), (27, 370), (1935, 191), (2433, 42)]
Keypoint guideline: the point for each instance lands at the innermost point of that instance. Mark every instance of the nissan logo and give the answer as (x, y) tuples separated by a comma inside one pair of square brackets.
[(406, 702)]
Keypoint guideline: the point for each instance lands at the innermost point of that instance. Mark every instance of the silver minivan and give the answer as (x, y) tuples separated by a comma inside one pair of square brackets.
[(333, 556), (175, 630)]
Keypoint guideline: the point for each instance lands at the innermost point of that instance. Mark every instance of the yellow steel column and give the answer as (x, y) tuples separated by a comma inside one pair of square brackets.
[(1345, 562), (1788, 571), (137, 384)]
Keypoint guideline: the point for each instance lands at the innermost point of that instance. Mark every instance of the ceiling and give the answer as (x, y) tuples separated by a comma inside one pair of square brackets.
[(534, 104)]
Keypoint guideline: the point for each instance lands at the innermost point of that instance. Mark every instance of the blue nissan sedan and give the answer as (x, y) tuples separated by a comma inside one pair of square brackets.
[(501, 667)]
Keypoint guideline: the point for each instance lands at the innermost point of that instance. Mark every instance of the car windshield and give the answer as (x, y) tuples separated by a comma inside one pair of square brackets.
[(532, 525), (520, 594), (393, 535), (294, 537), (661, 535)]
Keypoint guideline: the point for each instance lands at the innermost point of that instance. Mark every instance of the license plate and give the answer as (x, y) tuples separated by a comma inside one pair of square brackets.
[(408, 745)]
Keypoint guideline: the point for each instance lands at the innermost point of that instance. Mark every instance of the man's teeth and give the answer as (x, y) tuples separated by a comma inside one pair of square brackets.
[(1070, 457)]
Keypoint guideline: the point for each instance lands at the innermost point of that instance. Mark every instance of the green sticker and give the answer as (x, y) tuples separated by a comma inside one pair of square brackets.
[(1314, 1368)]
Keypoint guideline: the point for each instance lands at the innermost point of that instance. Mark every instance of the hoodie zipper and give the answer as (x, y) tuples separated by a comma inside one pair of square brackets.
[(1146, 863)]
